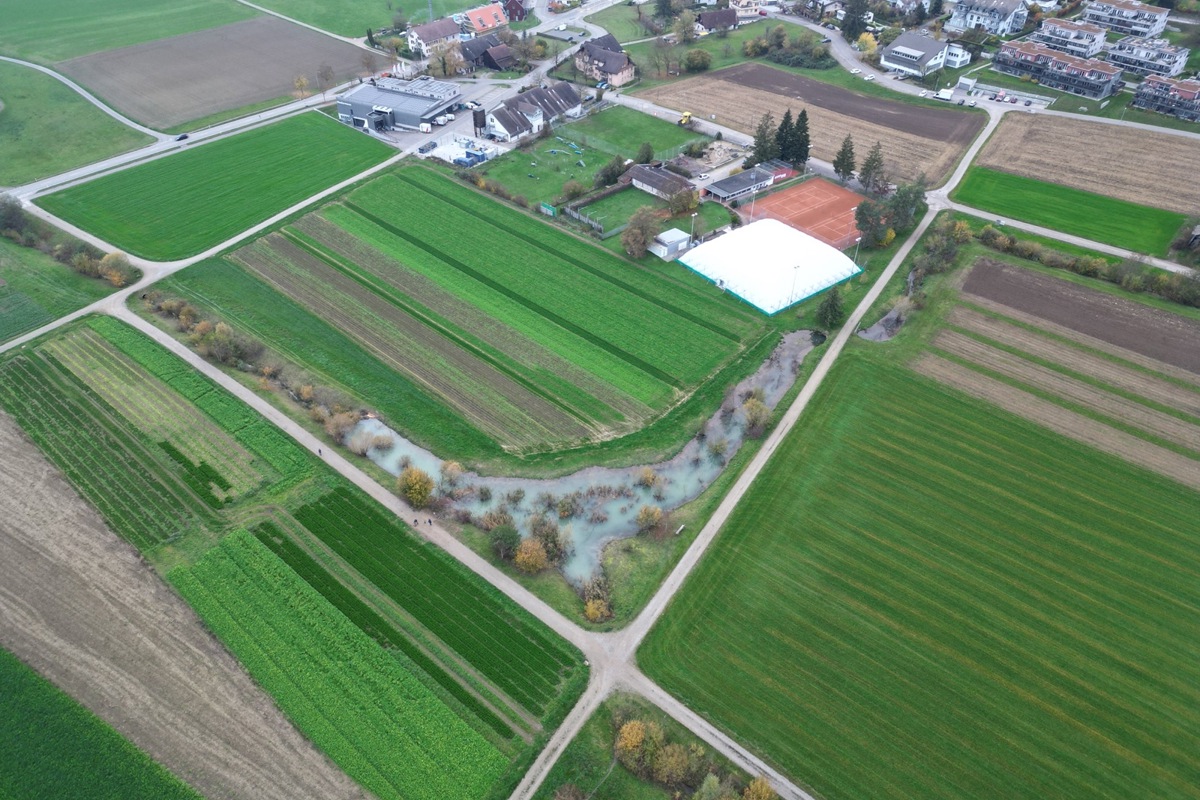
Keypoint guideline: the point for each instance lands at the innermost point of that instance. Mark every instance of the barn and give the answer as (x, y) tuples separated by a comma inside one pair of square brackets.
[(770, 265)]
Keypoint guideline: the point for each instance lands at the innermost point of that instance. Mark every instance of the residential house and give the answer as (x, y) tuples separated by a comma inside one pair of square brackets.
[(746, 10), (485, 19), (724, 19), (515, 10), (529, 112), (500, 58), (1126, 16), (1079, 39), (1082, 76), (998, 17), (473, 50), (916, 55), (603, 59), (657, 181), (1143, 56), (1180, 98), (422, 38)]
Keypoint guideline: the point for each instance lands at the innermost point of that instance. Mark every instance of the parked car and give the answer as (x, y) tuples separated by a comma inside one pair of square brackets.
[(923, 93), (703, 176), (602, 85), (972, 104), (826, 40), (181, 137), (1028, 102), (855, 71), (962, 102), (993, 97), (869, 78), (1012, 100)]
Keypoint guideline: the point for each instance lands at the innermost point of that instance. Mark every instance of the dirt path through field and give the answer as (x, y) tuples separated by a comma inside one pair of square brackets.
[(81, 607), (1148, 169), (1078, 360), (1060, 420), (1048, 381)]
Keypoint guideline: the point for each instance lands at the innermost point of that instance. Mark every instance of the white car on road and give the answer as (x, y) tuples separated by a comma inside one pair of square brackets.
[(924, 93), (868, 77), (855, 71)]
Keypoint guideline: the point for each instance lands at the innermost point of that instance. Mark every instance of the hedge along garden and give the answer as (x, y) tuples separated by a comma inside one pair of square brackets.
[(528, 339), (180, 205), (174, 463), (51, 746)]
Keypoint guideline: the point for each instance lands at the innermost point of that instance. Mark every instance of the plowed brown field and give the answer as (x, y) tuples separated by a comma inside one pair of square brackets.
[(80, 606), (1139, 166), (914, 139)]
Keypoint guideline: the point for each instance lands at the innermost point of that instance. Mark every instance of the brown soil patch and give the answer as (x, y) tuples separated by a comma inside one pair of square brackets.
[(1127, 324), (81, 607), (1047, 381), (1130, 380), (1131, 164), (182, 78), (817, 207), (914, 139), (1062, 421)]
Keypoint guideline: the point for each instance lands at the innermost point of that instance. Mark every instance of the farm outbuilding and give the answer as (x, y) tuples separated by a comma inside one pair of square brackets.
[(389, 103), (770, 265)]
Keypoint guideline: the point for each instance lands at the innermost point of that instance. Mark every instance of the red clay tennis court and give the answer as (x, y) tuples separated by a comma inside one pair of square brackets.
[(817, 207)]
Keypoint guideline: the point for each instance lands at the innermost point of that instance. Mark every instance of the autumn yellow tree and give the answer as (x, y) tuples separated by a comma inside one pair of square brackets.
[(531, 556), (671, 765), (649, 517), (631, 739), (301, 84), (415, 486), (757, 416), (759, 789), (596, 610)]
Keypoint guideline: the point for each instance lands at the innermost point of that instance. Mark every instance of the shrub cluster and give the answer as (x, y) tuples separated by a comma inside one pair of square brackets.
[(480, 181), (29, 231)]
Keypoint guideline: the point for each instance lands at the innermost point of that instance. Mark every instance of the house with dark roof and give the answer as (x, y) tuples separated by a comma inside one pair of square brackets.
[(473, 50), (422, 38), (529, 112), (657, 181), (725, 19), (998, 17), (736, 186), (501, 58), (914, 54), (603, 59), (388, 103)]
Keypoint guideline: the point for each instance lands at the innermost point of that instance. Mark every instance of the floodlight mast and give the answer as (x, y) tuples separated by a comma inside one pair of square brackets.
[(856, 241)]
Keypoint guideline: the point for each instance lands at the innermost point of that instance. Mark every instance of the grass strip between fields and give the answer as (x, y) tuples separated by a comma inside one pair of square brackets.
[(1102, 219)]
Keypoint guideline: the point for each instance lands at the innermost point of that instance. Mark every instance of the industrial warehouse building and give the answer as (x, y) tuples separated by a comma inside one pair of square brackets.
[(388, 103)]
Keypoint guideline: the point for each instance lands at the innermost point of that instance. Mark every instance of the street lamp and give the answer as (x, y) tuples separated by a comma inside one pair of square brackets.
[(692, 229), (795, 271), (856, 241)]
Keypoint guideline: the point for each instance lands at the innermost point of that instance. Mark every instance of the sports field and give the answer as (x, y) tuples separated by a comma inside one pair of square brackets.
[(539, 173), (180, 205), (50, 746), (924, 596), (34, 105), (52, 30), (817, 207), (488, 333), (1116, 222)]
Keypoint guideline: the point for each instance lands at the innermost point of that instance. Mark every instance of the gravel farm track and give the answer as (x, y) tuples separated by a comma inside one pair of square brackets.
[(222, 68), (81, 607), (1046, 147), (914, 139)]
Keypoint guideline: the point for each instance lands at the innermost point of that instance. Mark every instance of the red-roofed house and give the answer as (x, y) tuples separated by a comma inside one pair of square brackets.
[(1082, 76), (1180, 98), (486, 19)]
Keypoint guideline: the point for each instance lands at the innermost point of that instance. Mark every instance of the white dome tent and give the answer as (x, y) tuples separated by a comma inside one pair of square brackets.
[(770, 265)]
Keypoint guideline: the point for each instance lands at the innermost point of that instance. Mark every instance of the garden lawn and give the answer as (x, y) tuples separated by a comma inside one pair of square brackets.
[(51, 746), (340, 687), (1092, 216), (922, 596), (35, 289), (46, 128), (54, 30), (616, 209), (180, 205), (622, 21), (539, 174)]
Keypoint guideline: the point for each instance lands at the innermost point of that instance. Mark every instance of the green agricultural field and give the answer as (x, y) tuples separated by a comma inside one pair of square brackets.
[(56, 30), (353, 17), (341, 689), (622, 21), (180, 205), (1115, 222), (35, 289), (923, 596), (51, 746), (46, 128), (539, 174), (525, 355)]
